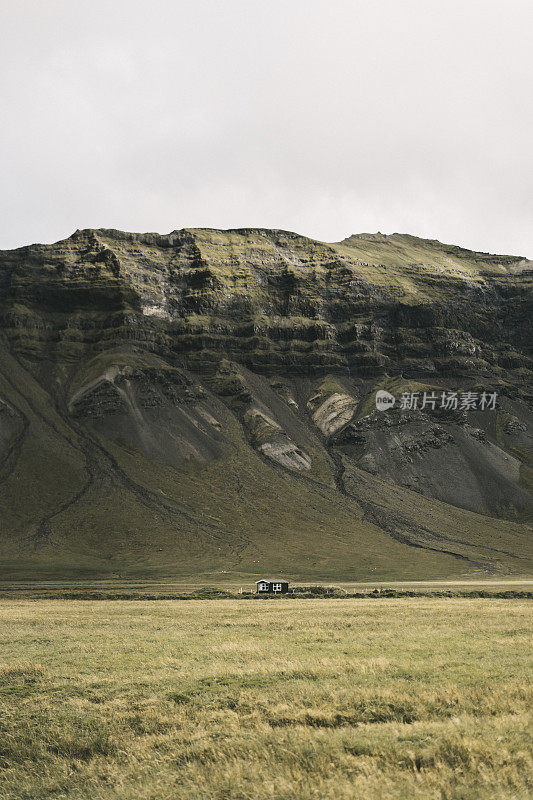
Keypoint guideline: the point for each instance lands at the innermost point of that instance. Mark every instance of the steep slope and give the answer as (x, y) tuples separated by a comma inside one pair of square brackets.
[(203, 403)]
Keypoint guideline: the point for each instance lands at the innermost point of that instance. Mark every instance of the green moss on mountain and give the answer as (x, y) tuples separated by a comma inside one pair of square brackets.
[(203, 401)]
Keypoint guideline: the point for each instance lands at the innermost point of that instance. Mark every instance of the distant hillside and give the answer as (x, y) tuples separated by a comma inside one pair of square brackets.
[(202, 403)]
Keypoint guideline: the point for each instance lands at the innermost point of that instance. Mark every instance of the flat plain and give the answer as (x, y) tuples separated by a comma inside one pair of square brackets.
[(328, 699)]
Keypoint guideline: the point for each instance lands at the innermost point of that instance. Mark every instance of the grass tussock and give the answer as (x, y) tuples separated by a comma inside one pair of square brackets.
[(20, 673), (408, 699)]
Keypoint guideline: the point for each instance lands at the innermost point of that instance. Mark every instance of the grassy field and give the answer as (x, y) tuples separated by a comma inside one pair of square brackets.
[(416, 699), (245, 590)]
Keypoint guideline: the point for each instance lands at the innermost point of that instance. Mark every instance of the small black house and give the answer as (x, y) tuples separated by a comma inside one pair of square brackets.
[(272, 586)]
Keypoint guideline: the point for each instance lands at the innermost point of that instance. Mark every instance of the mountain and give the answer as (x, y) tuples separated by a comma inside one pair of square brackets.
[(202, 404)]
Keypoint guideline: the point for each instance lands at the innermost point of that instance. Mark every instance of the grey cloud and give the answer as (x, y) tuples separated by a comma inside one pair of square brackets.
[(325, 117)]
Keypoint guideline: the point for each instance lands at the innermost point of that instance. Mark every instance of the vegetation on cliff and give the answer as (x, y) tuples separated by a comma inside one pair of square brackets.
[(203, 402)]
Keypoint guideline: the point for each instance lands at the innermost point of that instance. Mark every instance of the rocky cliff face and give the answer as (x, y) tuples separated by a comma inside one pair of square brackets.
[(205, 401)]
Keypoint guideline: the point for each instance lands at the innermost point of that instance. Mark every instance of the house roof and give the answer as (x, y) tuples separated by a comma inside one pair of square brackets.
[(272, 580)]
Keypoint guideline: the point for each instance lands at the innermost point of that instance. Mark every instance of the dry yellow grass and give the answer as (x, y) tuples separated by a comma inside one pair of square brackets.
[(418, 699)]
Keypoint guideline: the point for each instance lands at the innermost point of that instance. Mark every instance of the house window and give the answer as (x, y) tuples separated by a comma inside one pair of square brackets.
[(263, 587), (276, 587)]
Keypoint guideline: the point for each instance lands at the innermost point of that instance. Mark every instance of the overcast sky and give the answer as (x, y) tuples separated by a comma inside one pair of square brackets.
[(326, 117)]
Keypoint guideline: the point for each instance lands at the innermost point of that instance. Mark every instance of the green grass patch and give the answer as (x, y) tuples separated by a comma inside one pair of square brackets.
[(404, 698)]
